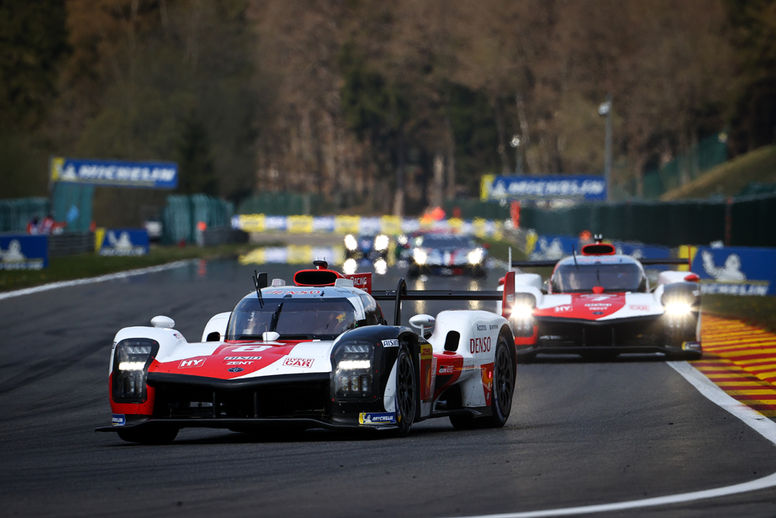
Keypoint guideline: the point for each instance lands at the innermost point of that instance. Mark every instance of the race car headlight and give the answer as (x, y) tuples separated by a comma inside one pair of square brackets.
[(353, 370), (476, 256), (522, 312), (350, 242), (381, 242), (131, 359), (420, 256), (678, 309)]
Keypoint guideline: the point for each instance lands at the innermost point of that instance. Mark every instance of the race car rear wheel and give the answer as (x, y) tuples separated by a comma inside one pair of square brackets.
[(148, 434), (504, 376), (406, 391)]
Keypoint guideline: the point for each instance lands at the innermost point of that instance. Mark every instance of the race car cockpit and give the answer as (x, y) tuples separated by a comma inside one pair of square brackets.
[(621, 277), (303, 318)]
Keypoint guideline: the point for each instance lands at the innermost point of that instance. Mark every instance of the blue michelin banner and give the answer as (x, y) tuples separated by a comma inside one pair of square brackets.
[(123, 242), (736, 270), (115, 173), (23, 252), (587, 187), (556, 247)]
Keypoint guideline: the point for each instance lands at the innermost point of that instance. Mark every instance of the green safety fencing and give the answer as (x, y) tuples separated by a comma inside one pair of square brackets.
[(16, 213), (476, 209), (183, 213), (72, 203), (737, 222), (708, 153)]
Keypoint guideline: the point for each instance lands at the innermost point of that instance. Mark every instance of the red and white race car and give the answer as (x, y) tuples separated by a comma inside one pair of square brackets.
[(316, 353), (600, 304)]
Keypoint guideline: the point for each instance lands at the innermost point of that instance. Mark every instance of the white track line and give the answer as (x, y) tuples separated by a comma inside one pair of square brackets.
[(751, 418), (92, 280)]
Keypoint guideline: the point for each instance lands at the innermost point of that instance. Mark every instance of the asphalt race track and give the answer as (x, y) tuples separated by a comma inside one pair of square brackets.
[(580, 433)]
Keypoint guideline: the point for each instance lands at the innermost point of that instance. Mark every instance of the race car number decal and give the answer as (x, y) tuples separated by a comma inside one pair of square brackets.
[(251, 349), (479, 345)]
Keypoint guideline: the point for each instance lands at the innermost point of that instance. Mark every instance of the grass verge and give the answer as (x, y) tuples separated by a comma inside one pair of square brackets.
[(760, 311), (90, 265)]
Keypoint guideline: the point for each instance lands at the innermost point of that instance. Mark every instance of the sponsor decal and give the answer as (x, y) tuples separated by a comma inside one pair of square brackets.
[(186, 364), (479, 345), (426, 352), (295, 292), (493, 326), (562, 309), (236, 369), (241, 358), (482, 327), (639, 307), (252, 348), (446, 369), (691, 346), (391, 342), (299, 362), (377, 418), (119, 420), (239, 363)]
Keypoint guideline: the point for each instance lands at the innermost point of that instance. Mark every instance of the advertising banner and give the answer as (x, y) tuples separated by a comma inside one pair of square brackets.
[(115, 173), (586, 187), (23, 252), (736, 270), (557, 247), (122, 242)]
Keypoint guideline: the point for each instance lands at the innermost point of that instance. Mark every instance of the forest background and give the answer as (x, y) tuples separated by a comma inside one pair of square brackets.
[(375, 107)]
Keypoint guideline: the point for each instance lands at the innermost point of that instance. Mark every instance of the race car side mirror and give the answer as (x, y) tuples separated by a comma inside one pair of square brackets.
[(422, 322), (270, 336), (163, 322)]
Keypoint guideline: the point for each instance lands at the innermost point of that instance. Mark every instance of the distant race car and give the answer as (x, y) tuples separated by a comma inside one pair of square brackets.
[(314, 354), (446, 254), (367, 246), (599, 304)]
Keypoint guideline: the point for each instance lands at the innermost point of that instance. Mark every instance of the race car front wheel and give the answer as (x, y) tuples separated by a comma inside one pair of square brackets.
[(406, 391), (149, 434)]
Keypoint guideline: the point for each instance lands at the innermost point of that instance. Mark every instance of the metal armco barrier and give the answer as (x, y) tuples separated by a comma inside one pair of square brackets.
[(71, 244)]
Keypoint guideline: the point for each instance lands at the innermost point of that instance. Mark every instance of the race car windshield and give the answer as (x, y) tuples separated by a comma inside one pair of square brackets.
[(570, 278), (291, 318), (445, 241)]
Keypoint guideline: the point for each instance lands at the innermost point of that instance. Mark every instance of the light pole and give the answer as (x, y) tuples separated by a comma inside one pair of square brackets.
[(515, 143), (605, 110)]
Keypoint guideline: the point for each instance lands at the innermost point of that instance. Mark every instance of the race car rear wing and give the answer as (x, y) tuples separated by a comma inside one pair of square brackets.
[(645, 262), (401, 293)]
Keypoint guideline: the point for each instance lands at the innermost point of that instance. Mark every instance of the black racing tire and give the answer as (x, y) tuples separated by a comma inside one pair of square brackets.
[(149, 434), (406, 392), (504, 378)]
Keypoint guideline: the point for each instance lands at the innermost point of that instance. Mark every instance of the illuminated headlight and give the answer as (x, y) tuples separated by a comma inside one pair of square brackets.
[(381, 242), (131, 359), (381, 267), (678, 309), (420, 256), (353, 370), (350, 242), (476, 256), (522, 312), (350, 266)]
